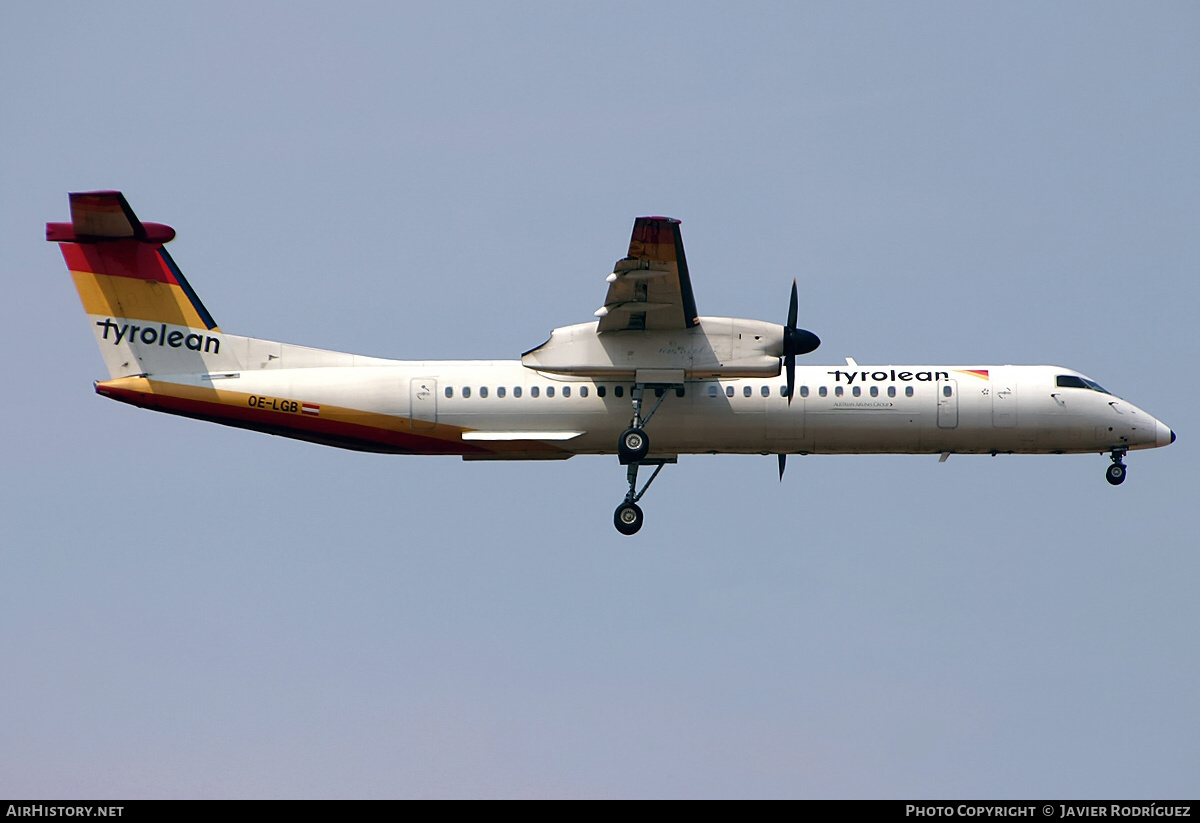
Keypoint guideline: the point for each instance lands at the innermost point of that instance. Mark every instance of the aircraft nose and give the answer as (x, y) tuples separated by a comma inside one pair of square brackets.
[(1164, 436)]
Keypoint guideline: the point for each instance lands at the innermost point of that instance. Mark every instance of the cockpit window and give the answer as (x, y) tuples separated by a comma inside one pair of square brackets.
[(1071, 381)]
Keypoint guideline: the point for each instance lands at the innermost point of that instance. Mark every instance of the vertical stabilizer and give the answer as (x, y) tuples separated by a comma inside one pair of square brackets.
[(146, 317)]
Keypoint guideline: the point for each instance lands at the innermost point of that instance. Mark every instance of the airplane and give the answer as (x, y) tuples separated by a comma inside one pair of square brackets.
[(649, 379)]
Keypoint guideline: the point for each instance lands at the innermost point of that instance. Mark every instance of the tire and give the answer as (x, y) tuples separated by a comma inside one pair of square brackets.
[(1115, 474), (633, 446), (628, 518)]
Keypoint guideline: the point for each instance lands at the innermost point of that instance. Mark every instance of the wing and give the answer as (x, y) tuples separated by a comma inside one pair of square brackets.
[(650, 288)]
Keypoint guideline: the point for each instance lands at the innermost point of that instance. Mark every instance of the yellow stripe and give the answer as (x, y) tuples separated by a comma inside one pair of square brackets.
[(106, 294)]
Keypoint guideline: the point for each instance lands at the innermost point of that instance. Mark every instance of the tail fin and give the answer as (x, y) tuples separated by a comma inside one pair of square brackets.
[(146, 317)]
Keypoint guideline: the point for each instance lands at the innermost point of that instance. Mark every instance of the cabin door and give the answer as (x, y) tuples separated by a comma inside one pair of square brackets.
[(1004, 405), (947, 404), (422, 402)]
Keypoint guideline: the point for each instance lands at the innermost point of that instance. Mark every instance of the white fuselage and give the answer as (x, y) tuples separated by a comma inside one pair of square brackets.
[(502, 409)]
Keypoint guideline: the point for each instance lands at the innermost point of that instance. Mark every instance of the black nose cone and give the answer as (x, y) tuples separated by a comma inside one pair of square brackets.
[(800, 341)]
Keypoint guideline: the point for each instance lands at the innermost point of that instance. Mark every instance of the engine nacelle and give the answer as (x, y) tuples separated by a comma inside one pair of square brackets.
[(715, 348)]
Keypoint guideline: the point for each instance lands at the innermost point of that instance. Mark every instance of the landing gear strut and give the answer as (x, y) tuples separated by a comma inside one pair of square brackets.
[(1115, 474), (632, 449), (634, 444), (628, 516)]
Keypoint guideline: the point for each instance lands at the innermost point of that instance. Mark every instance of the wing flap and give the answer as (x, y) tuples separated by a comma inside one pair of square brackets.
[(520, 435)]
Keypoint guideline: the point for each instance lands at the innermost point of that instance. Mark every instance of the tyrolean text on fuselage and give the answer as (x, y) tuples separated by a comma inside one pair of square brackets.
[(891, 375)]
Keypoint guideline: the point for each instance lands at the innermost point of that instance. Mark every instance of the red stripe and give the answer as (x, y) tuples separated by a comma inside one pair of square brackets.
[(120, 258), (401, 442)]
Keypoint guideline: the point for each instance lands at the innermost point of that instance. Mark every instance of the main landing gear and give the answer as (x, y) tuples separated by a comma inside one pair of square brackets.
[(1115, 474), (632, 449)]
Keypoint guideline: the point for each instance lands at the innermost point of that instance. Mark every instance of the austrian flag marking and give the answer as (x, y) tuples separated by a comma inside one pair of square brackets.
[(310, 408)]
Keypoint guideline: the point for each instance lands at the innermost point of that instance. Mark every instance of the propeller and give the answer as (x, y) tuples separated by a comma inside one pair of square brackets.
[(795, 341)]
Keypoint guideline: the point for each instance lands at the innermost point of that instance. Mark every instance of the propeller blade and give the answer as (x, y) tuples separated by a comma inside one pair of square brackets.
[(789, 357), (793, 307), (782, 465)]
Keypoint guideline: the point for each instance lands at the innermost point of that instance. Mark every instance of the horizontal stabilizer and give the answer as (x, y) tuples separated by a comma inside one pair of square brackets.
[(105, 215)]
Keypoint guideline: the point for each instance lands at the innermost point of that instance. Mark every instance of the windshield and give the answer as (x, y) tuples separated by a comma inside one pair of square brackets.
[(1074, 381)]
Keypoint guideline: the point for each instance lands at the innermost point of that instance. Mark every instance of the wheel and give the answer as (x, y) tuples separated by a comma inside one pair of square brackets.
[(628, 518), (1115, 474), (633, 446)]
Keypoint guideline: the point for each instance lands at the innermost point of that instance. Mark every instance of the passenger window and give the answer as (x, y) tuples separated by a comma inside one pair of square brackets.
[(804, 391), (483, 391), (729, 391), (619, 391), (947, 391), (765, 391), (823, 391), (566, 391), (449, 392), (908, 391), (680, 391), (466, 391), (745, 391), (601, 391), (712, 389), (857, 391), (534, 391), (838, 391), (500, 392), (891, 391), (874, 391), (516, 391), (549, 391), (660, 391), (583, 391)]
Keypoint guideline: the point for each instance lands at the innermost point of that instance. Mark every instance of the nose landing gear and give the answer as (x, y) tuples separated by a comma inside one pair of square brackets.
[(1115, 474)]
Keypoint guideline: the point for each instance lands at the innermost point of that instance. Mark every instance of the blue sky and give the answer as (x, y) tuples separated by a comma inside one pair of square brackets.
[(196, 611)]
